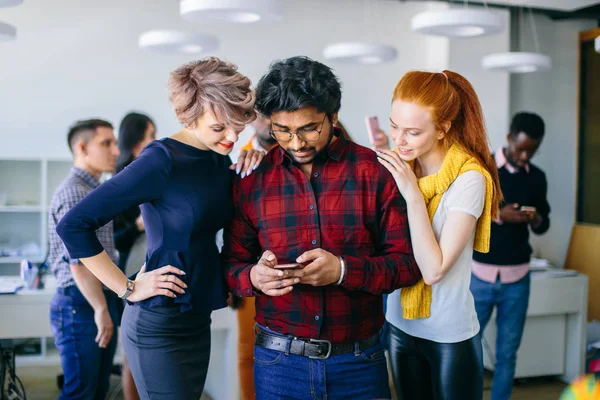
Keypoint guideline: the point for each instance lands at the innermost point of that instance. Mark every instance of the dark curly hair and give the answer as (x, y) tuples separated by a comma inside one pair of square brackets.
[(298, 82)]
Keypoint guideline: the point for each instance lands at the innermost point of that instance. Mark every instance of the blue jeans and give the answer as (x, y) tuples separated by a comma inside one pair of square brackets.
[(86, 366), (359, 375), (511, 301)]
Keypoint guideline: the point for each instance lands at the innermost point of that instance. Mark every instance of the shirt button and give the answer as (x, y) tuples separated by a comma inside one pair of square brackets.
[(314, 242), (316, 174), (311, 207), (317, 318), (248, 291)]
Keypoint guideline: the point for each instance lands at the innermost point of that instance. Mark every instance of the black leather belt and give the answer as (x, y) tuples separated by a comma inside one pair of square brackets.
[(311, 348)]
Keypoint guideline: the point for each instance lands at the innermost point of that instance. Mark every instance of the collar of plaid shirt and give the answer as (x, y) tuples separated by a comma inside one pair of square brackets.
[(85, 176), (349, 206)]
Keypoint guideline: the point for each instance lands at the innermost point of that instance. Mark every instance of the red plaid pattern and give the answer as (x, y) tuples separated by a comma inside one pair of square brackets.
[(349, 206)]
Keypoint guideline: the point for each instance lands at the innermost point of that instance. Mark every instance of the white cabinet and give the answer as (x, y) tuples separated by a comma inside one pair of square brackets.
[(26, 188), (554, 339)]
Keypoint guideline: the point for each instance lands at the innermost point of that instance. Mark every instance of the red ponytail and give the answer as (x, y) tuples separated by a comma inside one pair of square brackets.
[(450, 97)]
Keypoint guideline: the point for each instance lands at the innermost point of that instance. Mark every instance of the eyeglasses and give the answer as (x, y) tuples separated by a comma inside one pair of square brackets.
[(306, 135)]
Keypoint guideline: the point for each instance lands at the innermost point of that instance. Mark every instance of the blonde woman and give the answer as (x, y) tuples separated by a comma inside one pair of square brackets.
[(183, 183)]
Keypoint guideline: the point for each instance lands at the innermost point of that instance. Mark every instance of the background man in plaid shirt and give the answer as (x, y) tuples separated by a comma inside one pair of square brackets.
[(327, 205), (83, 314)]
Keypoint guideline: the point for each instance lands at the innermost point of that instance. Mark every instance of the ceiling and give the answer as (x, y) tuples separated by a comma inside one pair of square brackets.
[(561, 5), (555, 9)]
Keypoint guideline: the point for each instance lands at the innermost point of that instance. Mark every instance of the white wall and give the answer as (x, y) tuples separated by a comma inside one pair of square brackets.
[(76, 60), (553, 95), (491, 87)]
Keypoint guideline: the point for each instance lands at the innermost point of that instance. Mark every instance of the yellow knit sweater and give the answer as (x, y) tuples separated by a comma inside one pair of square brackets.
[(416, 300)]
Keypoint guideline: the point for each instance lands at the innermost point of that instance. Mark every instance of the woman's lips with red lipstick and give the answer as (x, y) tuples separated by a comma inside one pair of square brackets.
[(227, 145)]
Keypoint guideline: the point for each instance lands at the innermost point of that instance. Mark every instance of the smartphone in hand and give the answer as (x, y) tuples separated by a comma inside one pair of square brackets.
[(528, 209), (372, 128), (288, 266)]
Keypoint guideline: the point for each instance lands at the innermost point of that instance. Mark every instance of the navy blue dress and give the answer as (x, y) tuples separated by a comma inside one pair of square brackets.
[(185, 197)]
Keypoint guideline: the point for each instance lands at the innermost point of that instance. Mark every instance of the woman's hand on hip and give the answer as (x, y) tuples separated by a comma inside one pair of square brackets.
[(160, 282)]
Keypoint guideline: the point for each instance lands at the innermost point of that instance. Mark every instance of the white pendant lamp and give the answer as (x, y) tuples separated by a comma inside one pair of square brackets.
[(360, 53), (519, 62), (236, 11), (7, 32), (170, 41), (516, 62), (10, 3), (597, 44), (457, 23)]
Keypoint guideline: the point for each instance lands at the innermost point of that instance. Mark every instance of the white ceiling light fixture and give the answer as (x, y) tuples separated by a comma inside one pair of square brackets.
[(360, 53), (457, 23), (10, 3), (7, 32), (364, 52), (236, 11), (519, 62), (171, 41)]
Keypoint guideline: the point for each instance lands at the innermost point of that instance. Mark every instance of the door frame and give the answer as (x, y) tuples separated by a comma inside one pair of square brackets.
[(584, 36)]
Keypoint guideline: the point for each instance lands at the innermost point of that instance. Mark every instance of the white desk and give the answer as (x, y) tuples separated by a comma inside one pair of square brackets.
[(27, 315), (554, 339)]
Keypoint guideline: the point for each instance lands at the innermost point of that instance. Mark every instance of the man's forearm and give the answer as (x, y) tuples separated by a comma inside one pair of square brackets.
[(90, 286)]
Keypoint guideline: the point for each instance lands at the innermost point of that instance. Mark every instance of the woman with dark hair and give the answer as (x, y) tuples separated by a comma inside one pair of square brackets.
[(184, 186), (135, 132)]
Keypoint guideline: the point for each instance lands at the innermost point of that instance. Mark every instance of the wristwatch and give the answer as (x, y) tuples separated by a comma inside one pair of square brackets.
[(128, 290)]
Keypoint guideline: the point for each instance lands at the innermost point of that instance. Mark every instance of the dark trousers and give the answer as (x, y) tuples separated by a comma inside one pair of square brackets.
[(427, 370), (168, 351), (86, 367)]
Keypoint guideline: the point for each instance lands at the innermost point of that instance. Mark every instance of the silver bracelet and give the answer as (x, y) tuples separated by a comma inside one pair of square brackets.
[(342, 270)]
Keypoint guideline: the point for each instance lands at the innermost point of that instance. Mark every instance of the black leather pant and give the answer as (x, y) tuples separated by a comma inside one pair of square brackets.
[(427, 370)]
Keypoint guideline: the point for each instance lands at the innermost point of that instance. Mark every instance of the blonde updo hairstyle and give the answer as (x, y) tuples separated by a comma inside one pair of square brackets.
[(211, 84)]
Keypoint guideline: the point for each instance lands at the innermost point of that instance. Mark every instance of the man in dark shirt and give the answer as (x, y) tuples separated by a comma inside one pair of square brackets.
[(328, 208), (501, 277)]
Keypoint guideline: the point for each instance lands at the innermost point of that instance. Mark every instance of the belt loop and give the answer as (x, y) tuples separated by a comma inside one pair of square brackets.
[(356, 348), (288, 345)]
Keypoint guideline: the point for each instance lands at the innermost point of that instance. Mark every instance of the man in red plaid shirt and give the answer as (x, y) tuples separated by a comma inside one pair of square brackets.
[(320, 232)]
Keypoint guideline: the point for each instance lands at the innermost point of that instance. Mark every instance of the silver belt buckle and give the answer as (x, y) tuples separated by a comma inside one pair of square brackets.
[(329, 349)]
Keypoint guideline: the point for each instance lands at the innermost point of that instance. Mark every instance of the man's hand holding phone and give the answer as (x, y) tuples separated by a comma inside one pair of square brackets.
[(271, 279), (516, 214)]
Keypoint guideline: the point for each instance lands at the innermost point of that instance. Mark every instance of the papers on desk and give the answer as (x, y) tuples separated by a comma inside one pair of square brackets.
[(543, 269), (10, 285), (539, 264)]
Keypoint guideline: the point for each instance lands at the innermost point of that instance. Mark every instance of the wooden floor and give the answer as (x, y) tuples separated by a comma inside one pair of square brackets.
[(40, 384), (530, 389)]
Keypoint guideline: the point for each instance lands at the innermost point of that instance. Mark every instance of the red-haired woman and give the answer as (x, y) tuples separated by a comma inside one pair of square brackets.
[(444, 170)]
